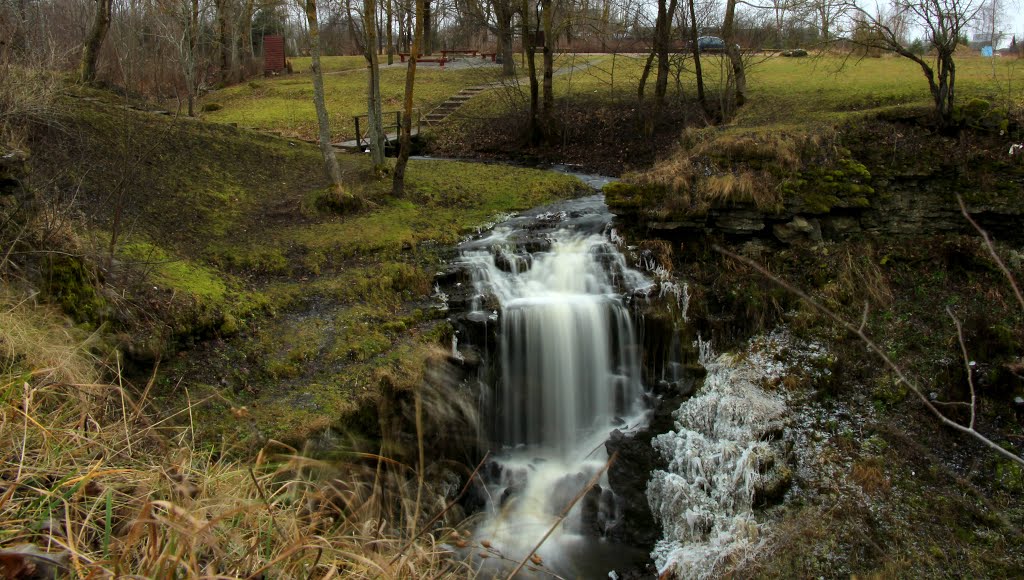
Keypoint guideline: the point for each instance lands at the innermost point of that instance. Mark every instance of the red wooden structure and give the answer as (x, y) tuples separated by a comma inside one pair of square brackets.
[(273, 54)]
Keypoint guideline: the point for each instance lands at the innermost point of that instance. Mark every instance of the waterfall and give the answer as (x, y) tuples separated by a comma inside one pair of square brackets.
[(568, 374)]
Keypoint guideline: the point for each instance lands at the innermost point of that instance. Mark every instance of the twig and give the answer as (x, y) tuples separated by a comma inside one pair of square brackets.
[(565, 512), (967, 362), (441, 513), (873, 347), (992, 251)]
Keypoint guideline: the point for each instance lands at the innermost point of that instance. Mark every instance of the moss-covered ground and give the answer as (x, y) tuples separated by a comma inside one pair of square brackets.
[(225, 248)]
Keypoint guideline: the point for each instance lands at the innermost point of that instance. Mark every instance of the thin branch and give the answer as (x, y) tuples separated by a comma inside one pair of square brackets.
[(872, 346), (967, 361), (590, 484), (992, 251)]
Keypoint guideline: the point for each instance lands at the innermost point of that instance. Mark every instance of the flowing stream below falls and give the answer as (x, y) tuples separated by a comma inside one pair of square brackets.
[(547, 310)]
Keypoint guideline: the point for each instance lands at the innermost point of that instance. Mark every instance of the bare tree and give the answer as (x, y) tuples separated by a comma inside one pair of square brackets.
[(530, 49), (91, 49), (405, 148), (694, 46), (943, 22), (733, 52), (373, 105), (324, 124), (659, 49), (548, 110)]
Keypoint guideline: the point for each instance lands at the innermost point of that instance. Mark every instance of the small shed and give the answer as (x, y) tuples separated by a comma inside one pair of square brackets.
[(273, 54)]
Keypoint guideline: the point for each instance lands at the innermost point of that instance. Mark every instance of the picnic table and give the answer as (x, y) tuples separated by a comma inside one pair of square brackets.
[(445, 52), (403, 55)]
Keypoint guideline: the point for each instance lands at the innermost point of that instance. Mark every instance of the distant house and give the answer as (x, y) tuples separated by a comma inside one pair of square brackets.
[(980, 41), (273, 55)]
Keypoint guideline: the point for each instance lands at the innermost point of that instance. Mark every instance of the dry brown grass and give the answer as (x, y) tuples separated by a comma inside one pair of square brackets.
[(868, 474), (715, 168), (27, 94), (95, 483), (741, 187), (859, 279)]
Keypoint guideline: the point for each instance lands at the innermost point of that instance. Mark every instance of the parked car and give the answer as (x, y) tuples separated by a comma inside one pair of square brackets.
[(711, 44)]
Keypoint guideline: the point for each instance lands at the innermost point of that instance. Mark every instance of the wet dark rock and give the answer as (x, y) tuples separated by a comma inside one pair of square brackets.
[(590, 511), (773, 485), (799, 228), (510, 492), (564, 491), (628, 477)]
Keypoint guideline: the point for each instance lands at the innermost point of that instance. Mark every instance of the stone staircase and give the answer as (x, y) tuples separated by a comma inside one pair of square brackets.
[(445, 109)]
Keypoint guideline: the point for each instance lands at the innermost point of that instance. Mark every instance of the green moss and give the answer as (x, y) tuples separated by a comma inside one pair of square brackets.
[(176, 274), (819, 189), (889, 391), (67, 281), (622, 196)]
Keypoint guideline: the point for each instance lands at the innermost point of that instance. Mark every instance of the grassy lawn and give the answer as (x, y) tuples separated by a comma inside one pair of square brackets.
[(227, 236), (792, 92), (286, 103)]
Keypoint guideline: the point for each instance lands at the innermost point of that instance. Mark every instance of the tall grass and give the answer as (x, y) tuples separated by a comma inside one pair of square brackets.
[(95, 483)]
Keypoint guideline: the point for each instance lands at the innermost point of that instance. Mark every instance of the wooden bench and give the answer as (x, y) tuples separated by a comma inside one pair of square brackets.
[(445, 53), (404, 55), (493, 55)]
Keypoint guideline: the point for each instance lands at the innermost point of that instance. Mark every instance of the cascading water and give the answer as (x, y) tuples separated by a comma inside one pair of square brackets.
[(568, 374)]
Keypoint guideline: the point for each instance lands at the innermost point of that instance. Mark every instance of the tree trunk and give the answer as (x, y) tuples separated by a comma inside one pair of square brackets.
[(642, 85), (247, 51), (503, 18), (663, 38), (91, 50), (398, 183), (373, 106), (696, 56), (729, 36), (389, 7), (548, 110), (357, 39), (223, 40), (533, 129), (324, 124), (193, 56), (428, 39)]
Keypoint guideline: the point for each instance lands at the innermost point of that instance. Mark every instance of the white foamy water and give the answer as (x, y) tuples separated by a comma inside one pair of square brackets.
[(569, 374)]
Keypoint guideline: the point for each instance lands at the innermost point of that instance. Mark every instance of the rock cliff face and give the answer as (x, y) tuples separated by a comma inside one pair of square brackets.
[(884, 176)]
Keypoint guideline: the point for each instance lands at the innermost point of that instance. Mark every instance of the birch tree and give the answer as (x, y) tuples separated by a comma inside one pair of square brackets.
[(373, 106), (323, 121)]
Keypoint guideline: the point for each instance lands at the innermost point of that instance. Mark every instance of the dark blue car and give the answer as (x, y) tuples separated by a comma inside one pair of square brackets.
[(711, 44)]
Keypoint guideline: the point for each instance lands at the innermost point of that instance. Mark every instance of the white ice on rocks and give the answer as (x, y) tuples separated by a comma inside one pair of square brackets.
[(718, 452)]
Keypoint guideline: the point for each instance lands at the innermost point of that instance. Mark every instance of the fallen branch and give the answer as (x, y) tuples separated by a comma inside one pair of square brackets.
[(873, 347)]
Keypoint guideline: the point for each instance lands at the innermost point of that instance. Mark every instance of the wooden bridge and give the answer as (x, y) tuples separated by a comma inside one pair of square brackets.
[(392, 131)]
